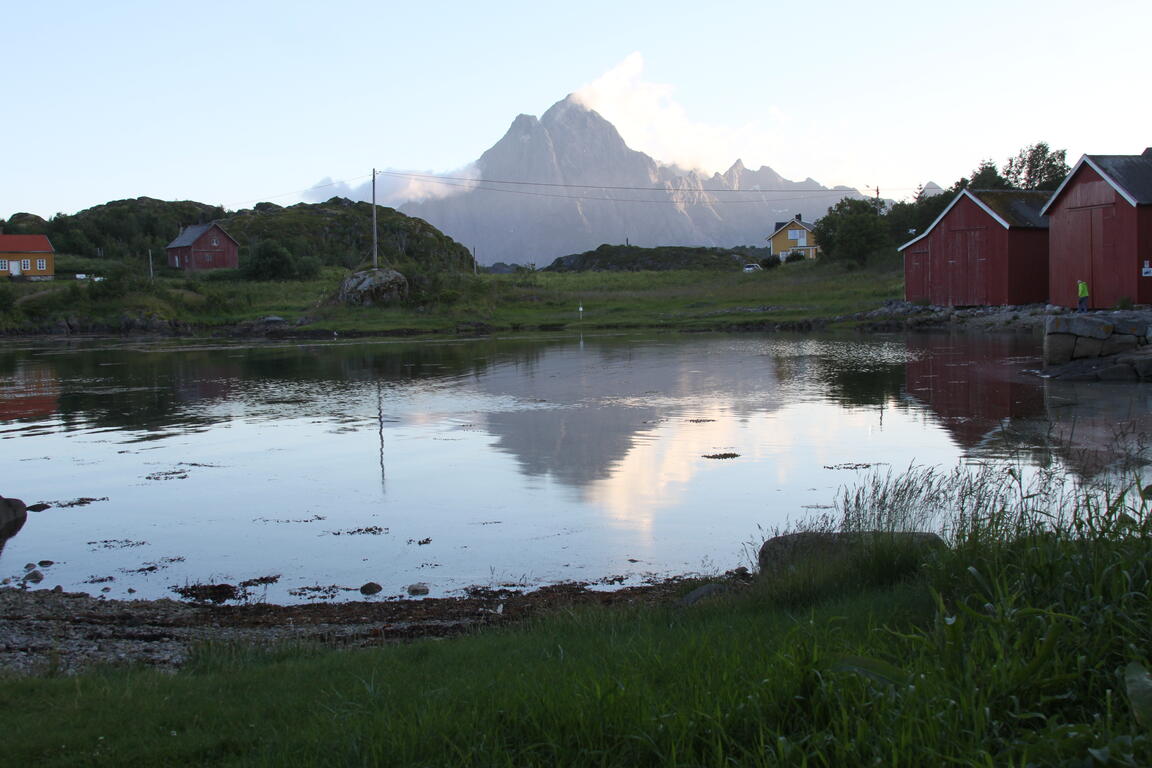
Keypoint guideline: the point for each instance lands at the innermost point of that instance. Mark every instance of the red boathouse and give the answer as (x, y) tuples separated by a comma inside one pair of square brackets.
[(988, 247), (1101, 227), (203, 246)]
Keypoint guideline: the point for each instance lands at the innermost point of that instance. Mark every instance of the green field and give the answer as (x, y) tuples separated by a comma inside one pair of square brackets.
[(1024, 644), (681, 299)]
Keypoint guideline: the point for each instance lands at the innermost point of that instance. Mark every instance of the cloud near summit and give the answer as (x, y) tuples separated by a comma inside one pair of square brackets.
[(653, 122)]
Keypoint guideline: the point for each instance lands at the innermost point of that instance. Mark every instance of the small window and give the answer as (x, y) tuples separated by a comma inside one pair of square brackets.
[(42, 265), (3, 265), (215, 241), (25, 263)]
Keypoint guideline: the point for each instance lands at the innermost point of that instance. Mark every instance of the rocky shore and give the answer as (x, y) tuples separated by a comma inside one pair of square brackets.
[(46, 631)]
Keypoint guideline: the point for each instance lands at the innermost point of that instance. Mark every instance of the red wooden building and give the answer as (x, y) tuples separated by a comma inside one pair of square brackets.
[(203, 246), (988, 247), (1101, 226)]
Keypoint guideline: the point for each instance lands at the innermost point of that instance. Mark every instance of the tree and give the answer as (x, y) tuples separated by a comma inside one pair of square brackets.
[(987, 176), (1037, 167), (852, 229)]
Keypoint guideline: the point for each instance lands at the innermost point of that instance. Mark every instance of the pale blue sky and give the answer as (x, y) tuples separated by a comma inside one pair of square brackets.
[(233, 103)]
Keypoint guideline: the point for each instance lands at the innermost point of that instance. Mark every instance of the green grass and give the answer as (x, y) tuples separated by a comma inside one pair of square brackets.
[(1025, 643), (677, 299)]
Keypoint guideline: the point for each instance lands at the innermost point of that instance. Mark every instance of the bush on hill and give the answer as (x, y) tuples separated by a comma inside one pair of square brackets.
[(633, 258)]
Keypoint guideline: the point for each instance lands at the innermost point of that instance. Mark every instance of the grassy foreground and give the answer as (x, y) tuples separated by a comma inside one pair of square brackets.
[(1025, 643), (678, 299)]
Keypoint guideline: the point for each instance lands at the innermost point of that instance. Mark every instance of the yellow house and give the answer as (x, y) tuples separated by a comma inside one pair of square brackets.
[(30, 256), (792, 237)]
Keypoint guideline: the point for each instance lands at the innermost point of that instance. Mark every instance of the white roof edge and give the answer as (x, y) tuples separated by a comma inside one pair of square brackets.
[(1085, 159), (964, 192), (787, 224)]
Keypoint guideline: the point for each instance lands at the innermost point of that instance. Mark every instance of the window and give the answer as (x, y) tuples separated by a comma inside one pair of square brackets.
[(3, 265), (25, 264), (215, 241), (42, 265), (798, 236)]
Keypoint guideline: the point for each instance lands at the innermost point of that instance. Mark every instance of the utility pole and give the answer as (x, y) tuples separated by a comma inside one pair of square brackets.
[(475, 268), (375, 256), (151, 274)]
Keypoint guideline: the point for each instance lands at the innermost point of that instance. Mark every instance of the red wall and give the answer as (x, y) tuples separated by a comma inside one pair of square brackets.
[(1097, 236), (203, 255), (970, 259)]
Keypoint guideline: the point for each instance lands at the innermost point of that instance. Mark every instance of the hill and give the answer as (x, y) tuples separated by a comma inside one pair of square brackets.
[(633, 258), (336, 232)]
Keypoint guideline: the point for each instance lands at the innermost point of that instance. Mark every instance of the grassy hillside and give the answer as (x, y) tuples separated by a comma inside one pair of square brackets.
[(444, 300), (632, 258), (335, 232)]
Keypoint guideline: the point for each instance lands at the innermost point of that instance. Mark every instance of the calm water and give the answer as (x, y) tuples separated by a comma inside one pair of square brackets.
[(486, 462)]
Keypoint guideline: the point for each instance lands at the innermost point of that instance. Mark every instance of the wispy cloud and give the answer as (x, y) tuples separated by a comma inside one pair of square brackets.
[(395, 187), (652, 121)]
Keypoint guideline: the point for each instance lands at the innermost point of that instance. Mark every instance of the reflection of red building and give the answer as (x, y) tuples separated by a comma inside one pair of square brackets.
[(974, 384), (33, 391)]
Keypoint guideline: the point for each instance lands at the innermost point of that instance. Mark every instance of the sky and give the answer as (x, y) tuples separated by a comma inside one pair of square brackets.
[(247, 101)]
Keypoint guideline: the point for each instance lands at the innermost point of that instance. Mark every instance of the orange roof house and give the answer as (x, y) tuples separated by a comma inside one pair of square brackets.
[(30, 256)]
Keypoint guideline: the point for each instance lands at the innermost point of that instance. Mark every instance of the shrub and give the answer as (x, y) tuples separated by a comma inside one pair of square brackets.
[(770, 262), (794, 256), (1124, 303)]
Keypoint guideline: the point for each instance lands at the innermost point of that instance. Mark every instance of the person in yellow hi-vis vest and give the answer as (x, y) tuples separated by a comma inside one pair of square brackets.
[(1082, 296)]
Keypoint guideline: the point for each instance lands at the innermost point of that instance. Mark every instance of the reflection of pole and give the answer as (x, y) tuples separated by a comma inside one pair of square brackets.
[(380, 423)]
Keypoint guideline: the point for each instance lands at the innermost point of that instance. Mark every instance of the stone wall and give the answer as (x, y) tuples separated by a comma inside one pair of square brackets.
[(1076, 337)]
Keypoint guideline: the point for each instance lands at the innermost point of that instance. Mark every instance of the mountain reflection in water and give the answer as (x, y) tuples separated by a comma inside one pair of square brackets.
[(529, 460)]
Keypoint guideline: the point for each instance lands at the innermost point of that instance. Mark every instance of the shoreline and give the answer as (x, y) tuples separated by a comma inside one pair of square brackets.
[(46, 632)]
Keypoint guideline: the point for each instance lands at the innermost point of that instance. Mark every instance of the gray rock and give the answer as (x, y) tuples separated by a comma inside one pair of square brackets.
[(34, 577), (1058, 348), (371, 588), (1117, 343), (417, 589), (1078, 325), (1118, 372), (1078, 376), (373, 287), (1143, 366), (781, 554), (1086, 346)]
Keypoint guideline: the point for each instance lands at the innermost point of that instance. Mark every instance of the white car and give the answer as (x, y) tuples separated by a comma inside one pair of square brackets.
[(753, 268)]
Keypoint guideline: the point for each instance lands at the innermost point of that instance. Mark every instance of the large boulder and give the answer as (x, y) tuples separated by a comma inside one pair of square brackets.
[(783, 554), (373, 287), (13, 514)]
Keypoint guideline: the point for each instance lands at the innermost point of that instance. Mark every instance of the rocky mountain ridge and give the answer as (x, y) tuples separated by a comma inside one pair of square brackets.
[(567, 182)]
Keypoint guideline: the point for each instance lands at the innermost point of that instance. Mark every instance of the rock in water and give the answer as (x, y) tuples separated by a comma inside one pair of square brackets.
[(373, 287), (417, 589), (371, 588)]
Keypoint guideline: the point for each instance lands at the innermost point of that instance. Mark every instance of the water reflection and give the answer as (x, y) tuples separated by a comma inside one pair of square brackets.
[(556, 457)]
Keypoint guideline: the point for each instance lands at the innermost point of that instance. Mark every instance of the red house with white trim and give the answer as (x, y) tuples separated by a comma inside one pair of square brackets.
[(203, 246), (988, 247), (1101, 229)]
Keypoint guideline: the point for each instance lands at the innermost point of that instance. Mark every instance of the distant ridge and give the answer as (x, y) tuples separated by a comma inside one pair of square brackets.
[(576, 185)]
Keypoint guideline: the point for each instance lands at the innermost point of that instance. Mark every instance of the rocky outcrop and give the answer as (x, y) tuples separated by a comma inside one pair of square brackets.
[(373, 288), (784, 554), (1076, 337), (13, 515)]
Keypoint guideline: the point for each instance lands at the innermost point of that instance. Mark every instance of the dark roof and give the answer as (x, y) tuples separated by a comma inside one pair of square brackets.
[(1011, 208), (782, 224), (1129, 175), (1132, 173), (25, 244), (189, 235), (1018, 207)]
